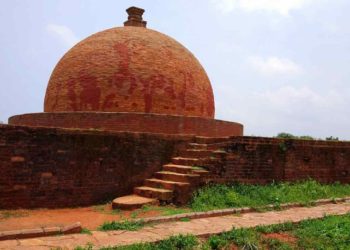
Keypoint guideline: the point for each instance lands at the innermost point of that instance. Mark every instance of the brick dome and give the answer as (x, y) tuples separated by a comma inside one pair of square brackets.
[(130, 69)]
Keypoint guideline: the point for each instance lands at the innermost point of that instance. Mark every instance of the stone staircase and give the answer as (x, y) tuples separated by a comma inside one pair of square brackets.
[(178, 179)]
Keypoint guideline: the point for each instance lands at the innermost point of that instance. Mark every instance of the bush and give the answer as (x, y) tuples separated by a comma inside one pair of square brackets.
[(284, 135)]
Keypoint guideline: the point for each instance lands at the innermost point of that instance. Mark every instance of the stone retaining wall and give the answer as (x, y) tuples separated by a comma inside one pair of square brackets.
[(46, 167), (42, 167), (263, 160)]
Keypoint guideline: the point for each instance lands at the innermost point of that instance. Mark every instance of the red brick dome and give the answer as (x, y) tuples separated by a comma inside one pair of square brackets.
[(130, 69)]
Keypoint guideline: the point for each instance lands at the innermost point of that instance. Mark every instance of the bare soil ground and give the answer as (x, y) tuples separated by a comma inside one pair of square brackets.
[(90, 217), (284, 237)]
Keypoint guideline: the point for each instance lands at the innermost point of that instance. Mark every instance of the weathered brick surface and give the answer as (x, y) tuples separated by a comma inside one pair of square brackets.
[(130, 69), (46, 167), (263, 160), (60, 168), (151, 123)]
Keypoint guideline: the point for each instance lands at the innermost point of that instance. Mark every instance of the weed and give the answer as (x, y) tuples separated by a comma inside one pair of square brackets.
[(179, 242), (12, 214), (134, 214), (216, 242), (89, 246), (246, 238), (164, 210), (284, 227), (86, 231), (140, 246), (146, 208), (274, 244), (122, 225), (185, 219), (184, 242)]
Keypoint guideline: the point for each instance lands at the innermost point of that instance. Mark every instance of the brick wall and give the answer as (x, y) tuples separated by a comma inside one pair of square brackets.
[(139, 122), (263, 160), (46, 167), (58, 168)]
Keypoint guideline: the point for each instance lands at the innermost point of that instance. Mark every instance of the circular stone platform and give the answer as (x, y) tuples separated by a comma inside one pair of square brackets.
[(132, 122)]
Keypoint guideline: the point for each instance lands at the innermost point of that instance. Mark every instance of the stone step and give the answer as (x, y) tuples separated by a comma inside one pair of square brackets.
[(157, 193), (177, 177), (209, 140), (216, 146), (201, 172), (210, 146), (171, 185), (186, 161), (131, 202), (197, 146), (218, 153), (196, 153), (182, 169)]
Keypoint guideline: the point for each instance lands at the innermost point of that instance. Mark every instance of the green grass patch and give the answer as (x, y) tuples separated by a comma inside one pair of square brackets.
[(243, 238), (185, 219), (122, 225), (86, 231), (164, 210), (330, 232), (274, 244), (12, 214), (255, 196), (284, 227), (179, 242), (88, 246)]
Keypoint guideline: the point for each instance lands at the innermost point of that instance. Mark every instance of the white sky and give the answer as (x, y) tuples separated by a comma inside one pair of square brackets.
[(275, 65)]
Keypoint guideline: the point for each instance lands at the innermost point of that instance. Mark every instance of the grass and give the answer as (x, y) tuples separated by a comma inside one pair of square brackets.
[(179, 242), (122, 225), (274, 244), (185, 219), (12, 214), (256, 196), (86, 231), (330, 232), (89, 246), (164, 210), (240, 195)]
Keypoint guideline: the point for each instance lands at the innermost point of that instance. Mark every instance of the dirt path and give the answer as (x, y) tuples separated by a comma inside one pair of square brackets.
[(27, 219), (199, 227)]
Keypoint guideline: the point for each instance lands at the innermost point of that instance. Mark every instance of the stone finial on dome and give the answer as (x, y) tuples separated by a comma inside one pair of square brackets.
[(135, 17)]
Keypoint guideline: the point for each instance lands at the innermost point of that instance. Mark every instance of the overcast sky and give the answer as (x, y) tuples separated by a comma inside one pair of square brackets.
[(275, 65)]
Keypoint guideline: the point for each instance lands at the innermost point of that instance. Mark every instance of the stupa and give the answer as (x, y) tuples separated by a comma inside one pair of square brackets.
[(130, 78)]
